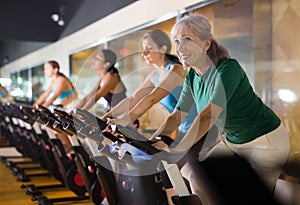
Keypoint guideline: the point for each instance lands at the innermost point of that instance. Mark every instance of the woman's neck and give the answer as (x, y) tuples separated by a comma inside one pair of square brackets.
[(202, 70), (162, 64), (55, 77), (101, 73)]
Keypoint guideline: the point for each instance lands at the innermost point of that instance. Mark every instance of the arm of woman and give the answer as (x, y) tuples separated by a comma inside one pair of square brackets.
[(84, 100), (108, 83), (61, 82), (43, 97), (170, 124), (201, 125), (129, 102), (174, 78), (168, 127)]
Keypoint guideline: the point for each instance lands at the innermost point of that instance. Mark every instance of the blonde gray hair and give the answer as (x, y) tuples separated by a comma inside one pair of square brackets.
[(200, 26)]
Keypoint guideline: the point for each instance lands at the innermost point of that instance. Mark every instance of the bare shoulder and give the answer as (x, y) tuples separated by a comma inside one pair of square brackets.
[(61, 79), (110, 78)]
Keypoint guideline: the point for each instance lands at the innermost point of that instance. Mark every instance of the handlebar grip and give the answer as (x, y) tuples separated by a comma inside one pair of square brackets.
[(102, 124), (83, 113), (89, 118), (42, 109), (60, 113), (132, 133)]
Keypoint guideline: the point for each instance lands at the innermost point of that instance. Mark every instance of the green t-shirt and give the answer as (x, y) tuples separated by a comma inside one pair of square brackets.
[(244, 117)]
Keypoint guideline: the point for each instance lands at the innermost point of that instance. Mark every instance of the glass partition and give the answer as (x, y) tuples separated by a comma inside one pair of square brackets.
[(24, 82), (38, 81), (20, 86), (27, 84)]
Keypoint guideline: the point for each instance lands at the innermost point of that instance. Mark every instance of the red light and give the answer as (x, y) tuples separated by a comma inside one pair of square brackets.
[(124, 51)]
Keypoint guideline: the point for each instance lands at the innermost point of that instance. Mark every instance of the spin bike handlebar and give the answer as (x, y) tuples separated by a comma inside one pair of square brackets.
[(53, 120), (124, 141)]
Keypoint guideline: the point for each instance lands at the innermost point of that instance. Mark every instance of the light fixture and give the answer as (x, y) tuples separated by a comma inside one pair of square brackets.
[(55, 17), (61, 22), (58, 17)]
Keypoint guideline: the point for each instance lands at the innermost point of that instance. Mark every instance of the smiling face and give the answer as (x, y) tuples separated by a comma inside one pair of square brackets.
[(151, 53), (190, 49)]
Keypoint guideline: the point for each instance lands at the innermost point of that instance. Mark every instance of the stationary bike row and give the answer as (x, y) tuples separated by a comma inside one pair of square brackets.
[(71, 177), (61, 120), (81, 158), (13, 132), (20, 134), (56, 121), (16, 113), (119, 191), (140, 162)]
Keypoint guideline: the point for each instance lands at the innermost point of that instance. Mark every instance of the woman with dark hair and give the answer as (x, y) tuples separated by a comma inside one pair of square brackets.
[(60, 90), (110, 85)]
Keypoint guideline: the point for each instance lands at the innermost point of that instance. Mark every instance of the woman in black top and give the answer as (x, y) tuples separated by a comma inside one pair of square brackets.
[(110, 85)]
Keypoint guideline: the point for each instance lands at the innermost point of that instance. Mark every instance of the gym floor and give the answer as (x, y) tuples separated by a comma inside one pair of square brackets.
[(11, 192)]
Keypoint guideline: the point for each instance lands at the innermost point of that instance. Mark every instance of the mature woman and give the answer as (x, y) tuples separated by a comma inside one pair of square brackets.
[(224, 97)]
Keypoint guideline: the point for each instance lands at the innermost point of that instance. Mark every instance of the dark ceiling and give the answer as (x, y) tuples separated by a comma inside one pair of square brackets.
[(30, 20)]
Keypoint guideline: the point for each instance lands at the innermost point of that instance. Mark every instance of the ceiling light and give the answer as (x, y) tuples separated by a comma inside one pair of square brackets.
[(55, 17), (58, 17), (61, 22)]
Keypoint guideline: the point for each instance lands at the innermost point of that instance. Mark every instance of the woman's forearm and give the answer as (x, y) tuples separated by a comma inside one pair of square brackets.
[(147, 102), (40, 100), (201, 125), (49, 101), (144, 105), (88, 103), (81, 103), (171, 123)]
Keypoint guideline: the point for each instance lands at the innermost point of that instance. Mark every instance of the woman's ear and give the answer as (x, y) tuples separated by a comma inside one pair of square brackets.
[(107, 64), (207, 44), (56, 70), (163, 49)]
